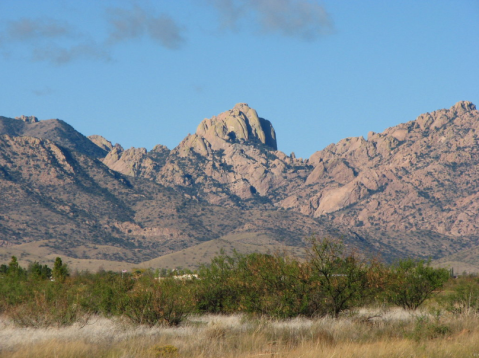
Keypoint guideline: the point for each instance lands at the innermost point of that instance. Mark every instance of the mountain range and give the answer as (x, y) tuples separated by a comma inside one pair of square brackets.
[(408, 191)]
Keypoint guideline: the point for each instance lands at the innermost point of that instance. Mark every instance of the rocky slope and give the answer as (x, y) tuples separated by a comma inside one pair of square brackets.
[(411, 190), (230, 160), (57, 201), (54, 129), (412, 186)]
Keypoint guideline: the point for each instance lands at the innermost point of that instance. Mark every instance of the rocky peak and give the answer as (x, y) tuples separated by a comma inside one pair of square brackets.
[(463, 107), (240, 124), (27, 119), (160, 148)]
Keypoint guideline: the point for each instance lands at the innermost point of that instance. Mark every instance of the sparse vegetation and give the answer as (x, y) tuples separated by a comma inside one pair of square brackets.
[(396, 333), (335, 301)]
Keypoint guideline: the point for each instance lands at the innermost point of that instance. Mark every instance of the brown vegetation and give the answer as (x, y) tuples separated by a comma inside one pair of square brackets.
[(393, 334)]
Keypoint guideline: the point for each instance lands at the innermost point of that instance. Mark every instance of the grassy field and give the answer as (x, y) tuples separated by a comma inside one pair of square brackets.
[(366, 333), (335, 304)]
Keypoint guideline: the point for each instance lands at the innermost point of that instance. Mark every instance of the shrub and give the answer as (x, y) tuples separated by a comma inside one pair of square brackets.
[(219, 289), (39, 272), (275, 285), (167, 302), (341, 280), (411, 282), (104, 292), (425, 329), (47, 305)]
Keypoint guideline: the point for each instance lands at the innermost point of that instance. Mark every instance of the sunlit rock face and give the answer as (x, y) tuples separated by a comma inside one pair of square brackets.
[(240, 124)]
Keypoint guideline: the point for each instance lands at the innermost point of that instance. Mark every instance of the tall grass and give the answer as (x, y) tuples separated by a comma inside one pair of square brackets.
[(242, 306), (393, 334)]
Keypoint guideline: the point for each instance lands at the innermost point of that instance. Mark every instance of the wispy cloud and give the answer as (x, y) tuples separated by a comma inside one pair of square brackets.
[(51, 40), (304, 19), (230, 11), (58, 42), (46, 39), (33, 29), (137, 22)]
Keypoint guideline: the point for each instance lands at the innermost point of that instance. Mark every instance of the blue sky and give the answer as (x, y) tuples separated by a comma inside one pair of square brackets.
[(142, 73)]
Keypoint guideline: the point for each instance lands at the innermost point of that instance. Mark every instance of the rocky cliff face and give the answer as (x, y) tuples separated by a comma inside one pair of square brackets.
[(238, 125), (416, 175), (230, 158)]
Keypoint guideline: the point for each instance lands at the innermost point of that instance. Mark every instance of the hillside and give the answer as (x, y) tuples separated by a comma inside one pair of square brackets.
[(412, 187), (55, 130), (409, 191), (56, 201)]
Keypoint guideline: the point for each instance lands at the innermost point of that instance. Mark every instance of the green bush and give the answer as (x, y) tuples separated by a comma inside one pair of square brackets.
[(261, 284), (60, 271), (103, 293), (427, 329), (166, 302), (411, 282), (219, 290), (38, 272), (46, 304), (340, 280), (275, 285), (330, 281)]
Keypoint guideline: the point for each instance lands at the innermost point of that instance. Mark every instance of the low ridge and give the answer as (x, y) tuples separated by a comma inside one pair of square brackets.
[(55, 130)]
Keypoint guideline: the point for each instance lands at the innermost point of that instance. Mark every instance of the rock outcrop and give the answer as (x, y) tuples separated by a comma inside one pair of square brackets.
[(240, 124), (413, 178), (228, 158), (27, 119)]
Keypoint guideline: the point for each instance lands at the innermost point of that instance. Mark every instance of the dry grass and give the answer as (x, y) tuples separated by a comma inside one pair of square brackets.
[(392, 333)]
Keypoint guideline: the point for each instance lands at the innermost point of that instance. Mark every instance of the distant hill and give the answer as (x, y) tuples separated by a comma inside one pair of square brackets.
[(55, 130), (409, 191)]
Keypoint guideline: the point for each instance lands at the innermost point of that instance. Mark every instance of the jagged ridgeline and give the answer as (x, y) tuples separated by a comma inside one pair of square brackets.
[(409, 191)]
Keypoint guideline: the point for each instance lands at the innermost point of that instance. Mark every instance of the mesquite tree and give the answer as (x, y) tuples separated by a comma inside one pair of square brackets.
[(411, 282), (345, 280)]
